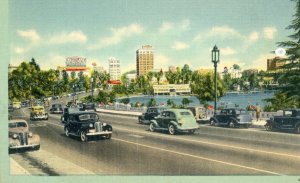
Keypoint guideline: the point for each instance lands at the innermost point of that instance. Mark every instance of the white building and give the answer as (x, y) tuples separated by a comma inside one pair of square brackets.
[(130, 77), (172, 89), (114, 69)]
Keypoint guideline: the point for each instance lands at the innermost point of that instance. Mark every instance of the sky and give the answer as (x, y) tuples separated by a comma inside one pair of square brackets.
[(180, 31)]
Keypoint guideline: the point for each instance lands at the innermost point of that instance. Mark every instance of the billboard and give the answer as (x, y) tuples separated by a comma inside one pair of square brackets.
[(76, 63)]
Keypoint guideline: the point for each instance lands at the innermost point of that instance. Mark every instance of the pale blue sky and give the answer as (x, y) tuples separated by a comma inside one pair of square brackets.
[(180, 31)]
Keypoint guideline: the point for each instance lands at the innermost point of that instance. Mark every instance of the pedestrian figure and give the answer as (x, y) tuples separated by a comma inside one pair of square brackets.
[(257, 109)]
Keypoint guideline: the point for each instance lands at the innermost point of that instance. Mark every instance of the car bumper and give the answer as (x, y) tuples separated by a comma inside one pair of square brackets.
[(244, 123), (24, 146), (187, 129), (57, 112), (40, 117), (92, 133)]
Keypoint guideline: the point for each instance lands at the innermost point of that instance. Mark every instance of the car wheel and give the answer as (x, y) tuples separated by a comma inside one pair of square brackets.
[(108, 136), (191, 131), (231, 124), (151, 127), (298, 129), (36, 147), (67, 132), (212, 122), (83, 136), (171, 129)]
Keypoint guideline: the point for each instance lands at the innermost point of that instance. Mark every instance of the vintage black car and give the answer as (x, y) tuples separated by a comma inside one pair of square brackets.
[(290, 121), (232, 118), (149, 115), (66, 113), (56, 109), (174, 120), (86, 124)]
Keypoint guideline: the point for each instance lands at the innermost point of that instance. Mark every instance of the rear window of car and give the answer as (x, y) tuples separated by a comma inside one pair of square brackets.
[(241, 112), (185, 113), (56, 105)]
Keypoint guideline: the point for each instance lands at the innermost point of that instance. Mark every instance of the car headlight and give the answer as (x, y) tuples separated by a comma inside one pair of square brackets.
[(104, 124), (30, 134), (91, 125), (15, 136)]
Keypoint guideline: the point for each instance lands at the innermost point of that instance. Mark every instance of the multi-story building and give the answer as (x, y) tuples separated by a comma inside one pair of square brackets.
[(274, 64), (114, 69), (144, 60)]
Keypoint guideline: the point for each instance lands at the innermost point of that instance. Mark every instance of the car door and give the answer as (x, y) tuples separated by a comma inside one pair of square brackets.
[(161, 119), (222, 116), (166, 120), (148, 114)]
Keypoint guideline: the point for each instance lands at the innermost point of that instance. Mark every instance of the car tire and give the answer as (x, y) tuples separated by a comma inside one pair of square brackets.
[(297, 129), (172, 130), (67, 132), (231, 124), (36, 148), (191, 131), (212, 122), (108, 136), (83, 136), (152, 127)]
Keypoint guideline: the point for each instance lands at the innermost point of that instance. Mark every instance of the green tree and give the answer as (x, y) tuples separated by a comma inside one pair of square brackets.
[(185, 102), (152, 102)]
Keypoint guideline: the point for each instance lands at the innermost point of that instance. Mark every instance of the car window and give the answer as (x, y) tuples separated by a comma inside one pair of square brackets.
[(223, 112), (288, 113), (172, 115), (21, 124), (56, 105), (241, 112), (163, 114), (12, 125), (185, 113)]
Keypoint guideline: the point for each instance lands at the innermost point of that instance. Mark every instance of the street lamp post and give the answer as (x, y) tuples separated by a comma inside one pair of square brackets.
[(215, 54), (73, 93), (92, 81)]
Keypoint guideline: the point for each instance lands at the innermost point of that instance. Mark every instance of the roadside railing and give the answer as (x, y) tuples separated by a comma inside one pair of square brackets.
[(209, 113)]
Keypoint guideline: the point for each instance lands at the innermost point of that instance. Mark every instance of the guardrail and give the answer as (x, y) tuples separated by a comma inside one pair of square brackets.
[(209, 113)]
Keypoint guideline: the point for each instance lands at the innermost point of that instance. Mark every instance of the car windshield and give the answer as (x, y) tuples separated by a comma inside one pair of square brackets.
[(185, 113), (56, 105), (241, 112), (87, 117), (38, 108), (17, 124), (73, 109)]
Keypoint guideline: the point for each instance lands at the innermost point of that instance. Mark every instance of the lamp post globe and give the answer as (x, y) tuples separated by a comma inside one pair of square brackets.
[(215, 56)]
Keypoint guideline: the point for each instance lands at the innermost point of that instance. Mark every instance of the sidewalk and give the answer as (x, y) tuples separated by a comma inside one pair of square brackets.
[(255, 124), (16, 169)]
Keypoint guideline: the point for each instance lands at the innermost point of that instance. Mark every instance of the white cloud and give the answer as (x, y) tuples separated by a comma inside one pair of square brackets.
[(166, 26), (227, 51), (161, 61), (253, 36), (185, 24), (261, 62), (220, 31), (29, 34), (180, 45), (269, 32), (118, 35), (71, 37), (19, 50)]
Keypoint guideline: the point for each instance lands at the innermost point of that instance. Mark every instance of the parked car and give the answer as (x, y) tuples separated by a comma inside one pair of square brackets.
[(289, 121), (232, 118), (10, 108), (25, 104), (67, 111), (174, 120), (199, 113), (20, 137), (56, 109), (16, 105), (38, 112), (85, 124), (149, 115)]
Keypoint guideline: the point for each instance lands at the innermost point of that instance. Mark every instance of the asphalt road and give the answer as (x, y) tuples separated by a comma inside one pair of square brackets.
[(134, 150)]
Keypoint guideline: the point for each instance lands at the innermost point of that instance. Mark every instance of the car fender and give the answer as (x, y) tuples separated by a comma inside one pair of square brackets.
[(108, 128), (154, 122), (215, 119), (173, 123), (232, 119)]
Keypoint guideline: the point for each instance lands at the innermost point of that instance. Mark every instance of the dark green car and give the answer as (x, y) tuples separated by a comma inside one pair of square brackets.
[(174, 120)]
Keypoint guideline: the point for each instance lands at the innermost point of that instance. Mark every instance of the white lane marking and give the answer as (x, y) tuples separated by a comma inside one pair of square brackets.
[(190, 155), (209, 143), (198, 157)]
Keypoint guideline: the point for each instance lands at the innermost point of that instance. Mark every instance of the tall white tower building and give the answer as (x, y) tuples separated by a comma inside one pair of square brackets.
[(114, 69)]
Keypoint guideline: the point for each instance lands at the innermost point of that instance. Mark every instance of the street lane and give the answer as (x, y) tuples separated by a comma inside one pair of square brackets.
[(134, 150)]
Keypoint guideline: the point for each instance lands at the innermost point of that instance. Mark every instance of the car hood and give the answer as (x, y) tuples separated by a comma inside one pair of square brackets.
[(18, 130)]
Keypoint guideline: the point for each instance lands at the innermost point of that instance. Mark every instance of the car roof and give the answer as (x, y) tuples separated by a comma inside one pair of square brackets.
[(17, 120), (178, 110)]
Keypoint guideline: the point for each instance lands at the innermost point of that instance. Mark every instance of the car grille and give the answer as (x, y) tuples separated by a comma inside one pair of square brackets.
[(23, 137), (98, 127)]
